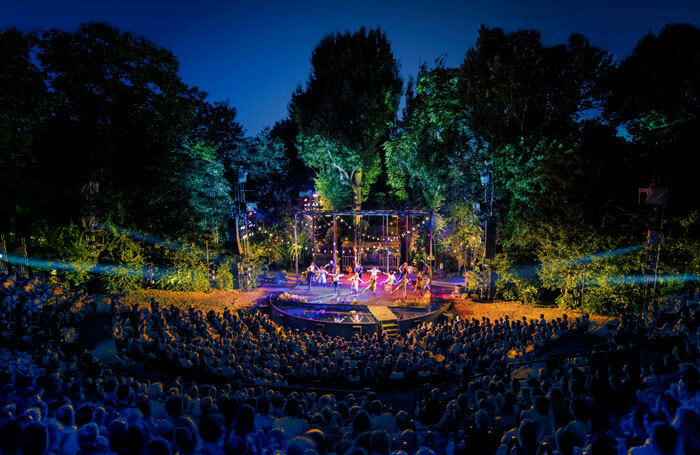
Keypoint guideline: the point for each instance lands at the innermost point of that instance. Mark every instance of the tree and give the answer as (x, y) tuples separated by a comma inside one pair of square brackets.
[(462, 236), (655, 96), (298, 177), (346, 110), (216, 124), (117, 108), (523, 102), (22, 110), (262, 157), (429, 152), (190, 189)]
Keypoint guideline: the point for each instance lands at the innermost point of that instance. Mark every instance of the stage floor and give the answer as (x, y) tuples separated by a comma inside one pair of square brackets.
[(320, 293)]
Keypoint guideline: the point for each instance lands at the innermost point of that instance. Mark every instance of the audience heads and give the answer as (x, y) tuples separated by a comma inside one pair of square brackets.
[(664, 438), (34, 439), (211, 427), (157, 446)]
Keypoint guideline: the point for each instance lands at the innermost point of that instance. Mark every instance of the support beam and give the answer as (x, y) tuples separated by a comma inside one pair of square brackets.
[(296, 248), (407, 241), (431, 262), (335, 245), (386, 235), (354, 248), (313, 238)]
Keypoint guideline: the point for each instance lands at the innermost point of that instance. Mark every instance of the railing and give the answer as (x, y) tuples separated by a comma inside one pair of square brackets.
[(378, 260)]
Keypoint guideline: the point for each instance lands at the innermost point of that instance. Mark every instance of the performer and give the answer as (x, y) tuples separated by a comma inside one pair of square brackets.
[(426, 285), (330, 267), (355, 283), (336, 281), (403, 284), (358, 268), (322, 276), (372, 284), (311, 273), (403, 270), (389, 282), (419, 282)]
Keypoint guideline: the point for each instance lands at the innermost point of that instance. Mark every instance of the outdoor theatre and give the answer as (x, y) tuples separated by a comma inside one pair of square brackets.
[(319, 306)]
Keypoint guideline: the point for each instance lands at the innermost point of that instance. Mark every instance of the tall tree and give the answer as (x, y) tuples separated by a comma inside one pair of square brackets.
[(216, 124), (655, 94), (118, 107), (22, 113), (426, 157), (523, 101), (298, 177), (345, 111), (190, 189)]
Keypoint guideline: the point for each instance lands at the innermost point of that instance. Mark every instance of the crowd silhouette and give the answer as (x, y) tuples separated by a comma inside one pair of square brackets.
[(237, 382)]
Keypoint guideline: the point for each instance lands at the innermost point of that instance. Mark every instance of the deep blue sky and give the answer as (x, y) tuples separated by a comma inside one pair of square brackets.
[(255, 53)]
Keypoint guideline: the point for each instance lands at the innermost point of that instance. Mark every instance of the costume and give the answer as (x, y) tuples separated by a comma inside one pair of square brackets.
[(311, 274), (336, 281), (389, 282), (358, 269), (372, 285), (403, 284), (419, 282), (355, 283)]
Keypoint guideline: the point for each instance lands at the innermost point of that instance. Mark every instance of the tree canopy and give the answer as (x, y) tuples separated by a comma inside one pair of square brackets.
[(569, 134), (346, 109)]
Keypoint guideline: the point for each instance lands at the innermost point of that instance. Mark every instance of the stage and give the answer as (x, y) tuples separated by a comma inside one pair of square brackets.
[(347, 313)]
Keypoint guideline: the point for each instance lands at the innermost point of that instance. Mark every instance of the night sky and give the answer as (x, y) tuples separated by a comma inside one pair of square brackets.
[(255, 53)]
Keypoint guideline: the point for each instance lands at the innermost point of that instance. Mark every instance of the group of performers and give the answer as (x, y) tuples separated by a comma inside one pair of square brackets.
[(331, 271)]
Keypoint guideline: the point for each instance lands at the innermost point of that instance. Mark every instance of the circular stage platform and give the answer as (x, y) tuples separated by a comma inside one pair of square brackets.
[(347, 314)]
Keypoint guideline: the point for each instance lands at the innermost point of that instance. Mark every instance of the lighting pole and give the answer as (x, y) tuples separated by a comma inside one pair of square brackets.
[(207, 236), (486, 177)]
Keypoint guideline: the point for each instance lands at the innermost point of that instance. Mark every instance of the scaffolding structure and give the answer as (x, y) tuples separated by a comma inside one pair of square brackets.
[(246, 268), (358, 214)]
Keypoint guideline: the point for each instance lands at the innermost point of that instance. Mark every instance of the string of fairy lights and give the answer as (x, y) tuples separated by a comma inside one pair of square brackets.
[(255, 229)]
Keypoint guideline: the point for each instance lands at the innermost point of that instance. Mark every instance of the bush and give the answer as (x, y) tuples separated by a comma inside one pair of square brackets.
[(71, 251), (183, 268), (126, 254), (224, 273), (118, 279)]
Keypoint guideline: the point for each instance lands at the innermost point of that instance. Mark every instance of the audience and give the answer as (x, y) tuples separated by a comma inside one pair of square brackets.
[(229, 368)]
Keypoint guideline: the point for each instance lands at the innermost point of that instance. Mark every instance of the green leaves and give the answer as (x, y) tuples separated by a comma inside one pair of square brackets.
[(429, 144), (347, 107)]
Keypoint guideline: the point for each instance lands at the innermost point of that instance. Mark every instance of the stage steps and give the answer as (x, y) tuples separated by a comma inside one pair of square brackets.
[(391, 328), (387, 319)]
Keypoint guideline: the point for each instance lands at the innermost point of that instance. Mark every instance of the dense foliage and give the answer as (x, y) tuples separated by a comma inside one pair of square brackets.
[(570, 134)]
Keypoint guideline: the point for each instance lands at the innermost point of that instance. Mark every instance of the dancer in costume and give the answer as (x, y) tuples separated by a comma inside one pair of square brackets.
[(312, 270), (419, 282), (336, 281), (389, 282), (330, 267), (426, 284), (403, 284), (355, 283), (358, 268), (322, 276), (403, 270), (372, 284)]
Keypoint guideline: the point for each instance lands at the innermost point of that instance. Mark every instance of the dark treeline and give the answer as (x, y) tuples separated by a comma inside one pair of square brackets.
[(570, 133)]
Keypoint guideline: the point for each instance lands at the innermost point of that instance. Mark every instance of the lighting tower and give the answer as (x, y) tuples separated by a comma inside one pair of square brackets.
[(246, 275), (489, 227)]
